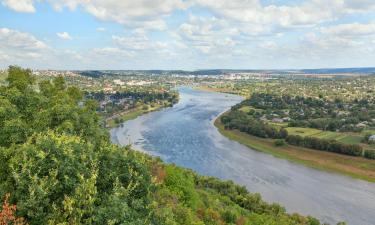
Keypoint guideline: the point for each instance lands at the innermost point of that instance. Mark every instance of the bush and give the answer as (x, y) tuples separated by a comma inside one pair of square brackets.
[(66, 172), (182, 185), (369, 154), (279, 142)]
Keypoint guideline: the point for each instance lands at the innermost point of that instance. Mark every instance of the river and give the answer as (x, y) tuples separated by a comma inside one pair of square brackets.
[(185, 135)]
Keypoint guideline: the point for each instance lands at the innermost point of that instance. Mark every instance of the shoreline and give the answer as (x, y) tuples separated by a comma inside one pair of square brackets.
[(355, 167), (130, 115)]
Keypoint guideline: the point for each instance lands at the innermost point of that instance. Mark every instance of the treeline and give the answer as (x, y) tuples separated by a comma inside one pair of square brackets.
[(59, 167), (271, 101), (146, 96), (370, 154), (239, 120), (325, 145)]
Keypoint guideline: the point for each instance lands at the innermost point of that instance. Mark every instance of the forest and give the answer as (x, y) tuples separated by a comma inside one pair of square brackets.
[(59, 167), (255, 123), (320, 113)]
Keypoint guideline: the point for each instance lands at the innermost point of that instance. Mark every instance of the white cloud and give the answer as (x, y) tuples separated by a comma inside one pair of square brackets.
[(151, 14), (252, 11), (64, 36), (315, 50), (352, 29), (148, 14), (351, 6), (21, 48), (101, 29), (111, 52), (270, 45), (208, 35), (223, 32), (3, 56), (25, 6), (13, 39), (137, 42), (292, 15)]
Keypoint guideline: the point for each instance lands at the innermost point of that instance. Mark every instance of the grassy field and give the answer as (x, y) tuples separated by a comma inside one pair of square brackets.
[(347, 138), (217, 89), (356, 167), (247, 109)]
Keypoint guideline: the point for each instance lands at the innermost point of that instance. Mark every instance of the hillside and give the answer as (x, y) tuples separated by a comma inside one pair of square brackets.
[(59, 167)]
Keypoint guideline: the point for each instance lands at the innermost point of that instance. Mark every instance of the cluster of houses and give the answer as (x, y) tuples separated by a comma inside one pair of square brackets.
[(371, 139), (122, 103)]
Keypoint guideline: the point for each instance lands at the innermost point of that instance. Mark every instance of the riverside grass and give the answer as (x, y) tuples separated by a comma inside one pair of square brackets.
[(133, 114)]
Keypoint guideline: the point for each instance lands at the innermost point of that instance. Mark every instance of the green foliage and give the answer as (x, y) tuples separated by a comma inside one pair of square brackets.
[(240, 120), (237, 119), (59, 166), (181, 183), (19, 78), (145, 107), (370, 154), (279, 142), (325, 145), (25, 111), (61, 178)]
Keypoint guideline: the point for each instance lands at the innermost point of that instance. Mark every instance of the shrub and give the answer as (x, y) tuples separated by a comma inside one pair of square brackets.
[(370, 154), (279, 142)]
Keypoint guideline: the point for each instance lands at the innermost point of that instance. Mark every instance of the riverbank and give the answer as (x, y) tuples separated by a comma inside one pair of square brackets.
[(216, 89), (131, 114), (355, 167)]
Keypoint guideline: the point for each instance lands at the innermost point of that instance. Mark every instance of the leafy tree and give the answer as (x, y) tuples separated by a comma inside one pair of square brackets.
[(19, 78)]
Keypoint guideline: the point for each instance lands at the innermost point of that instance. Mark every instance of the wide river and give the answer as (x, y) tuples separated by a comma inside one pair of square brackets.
[(185, 135)]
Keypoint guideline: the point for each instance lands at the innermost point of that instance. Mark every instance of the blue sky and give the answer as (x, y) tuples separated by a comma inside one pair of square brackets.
[(187, 34)]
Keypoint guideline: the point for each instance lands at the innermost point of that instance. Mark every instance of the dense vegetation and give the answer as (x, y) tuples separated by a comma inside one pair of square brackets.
[(320, 113), (347, 88), (146, 96), (237, 119), (132, 98), (60, 168), (325, 145), (247, 122)]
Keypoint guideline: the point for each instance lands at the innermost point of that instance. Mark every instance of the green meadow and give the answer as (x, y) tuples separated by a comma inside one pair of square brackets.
[(347, 138)]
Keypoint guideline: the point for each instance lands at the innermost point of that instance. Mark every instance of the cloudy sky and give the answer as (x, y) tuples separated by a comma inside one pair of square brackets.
[(187, 34)]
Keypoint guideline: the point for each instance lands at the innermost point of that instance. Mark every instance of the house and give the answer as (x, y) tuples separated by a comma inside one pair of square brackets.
[(263, 118), (361, 125), (118, 82), (277, 120)]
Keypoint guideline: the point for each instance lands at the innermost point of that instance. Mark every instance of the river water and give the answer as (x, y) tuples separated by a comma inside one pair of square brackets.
[(185, 135)]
